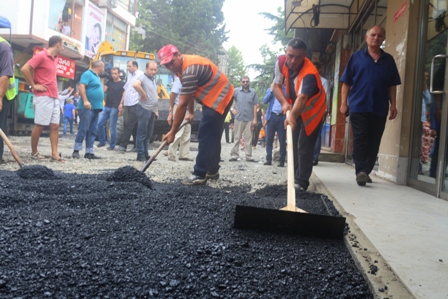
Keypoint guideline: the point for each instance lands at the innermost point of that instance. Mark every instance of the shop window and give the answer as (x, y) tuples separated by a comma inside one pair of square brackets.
[(116, 32), (65, 16)]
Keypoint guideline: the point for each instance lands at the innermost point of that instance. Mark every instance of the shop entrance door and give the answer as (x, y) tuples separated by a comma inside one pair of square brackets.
[(428, 169)]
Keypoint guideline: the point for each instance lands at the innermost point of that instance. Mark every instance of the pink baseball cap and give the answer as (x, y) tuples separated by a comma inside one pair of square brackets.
[(166, 54)]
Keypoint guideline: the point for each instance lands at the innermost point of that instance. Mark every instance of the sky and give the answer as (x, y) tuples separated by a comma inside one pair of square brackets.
[(247, 28)]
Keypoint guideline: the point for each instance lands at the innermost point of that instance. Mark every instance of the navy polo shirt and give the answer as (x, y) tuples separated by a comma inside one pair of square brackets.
[(370, 81)]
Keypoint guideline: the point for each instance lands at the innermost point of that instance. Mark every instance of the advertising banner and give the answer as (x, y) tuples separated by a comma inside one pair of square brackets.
[(65, 66), (94, 29)]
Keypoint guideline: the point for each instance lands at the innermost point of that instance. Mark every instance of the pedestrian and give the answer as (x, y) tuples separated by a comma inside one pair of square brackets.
[(40, 73), (69, 116), (129, 102), (245, 110), (63, 96), (204, 82), (75, 98), (227, 126), (147, 109), (258, 126), (115, 93), (326, 85), (182, 137), (275, 123), (305, 96), (92, 94), (8, 90), (369, 84)]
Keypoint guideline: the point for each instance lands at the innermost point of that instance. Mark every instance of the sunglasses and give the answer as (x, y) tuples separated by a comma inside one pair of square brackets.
[(245, 81)]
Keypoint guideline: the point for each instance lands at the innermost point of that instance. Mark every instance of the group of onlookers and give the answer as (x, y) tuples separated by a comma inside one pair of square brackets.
[(297, 97)]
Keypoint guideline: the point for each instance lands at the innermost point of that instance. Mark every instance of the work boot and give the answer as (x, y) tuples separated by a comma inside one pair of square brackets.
[(141, 159), (268, 162), (75, 155), (194, 180), (281, 164)]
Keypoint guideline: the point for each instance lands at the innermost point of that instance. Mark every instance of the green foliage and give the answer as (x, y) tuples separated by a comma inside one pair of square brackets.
[(235, 68), (193, 26), (266, 69)]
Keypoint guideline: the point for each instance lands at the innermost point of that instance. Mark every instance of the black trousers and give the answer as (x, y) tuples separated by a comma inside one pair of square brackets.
[(226, 131), (4, 120), (367, 132), (129, 126), (303, 148)]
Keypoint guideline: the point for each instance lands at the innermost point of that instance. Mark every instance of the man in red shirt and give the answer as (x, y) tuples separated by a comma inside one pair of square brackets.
[(40, 73)]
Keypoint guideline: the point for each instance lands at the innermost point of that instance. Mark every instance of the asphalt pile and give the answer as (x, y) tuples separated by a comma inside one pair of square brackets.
[(82, 235)]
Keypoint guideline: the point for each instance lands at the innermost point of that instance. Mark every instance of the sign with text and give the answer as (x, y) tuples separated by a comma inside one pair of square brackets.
[(65, 66)]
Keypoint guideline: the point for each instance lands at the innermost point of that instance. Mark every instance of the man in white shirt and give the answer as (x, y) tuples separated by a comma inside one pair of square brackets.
[(182, 137), (130, 101)]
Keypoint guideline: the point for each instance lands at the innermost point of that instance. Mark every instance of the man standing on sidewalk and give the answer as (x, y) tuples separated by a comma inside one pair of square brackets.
[(129, 102), (115, 94), (369, 83), (201, 81), (40, 73), (7, 87), (92, 94), (244, 108), (182, 137), (306, 95), (147, 109)]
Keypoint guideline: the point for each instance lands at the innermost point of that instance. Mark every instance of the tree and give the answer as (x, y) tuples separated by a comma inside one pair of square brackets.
[(194, 26), (235, 68), (266, 69)]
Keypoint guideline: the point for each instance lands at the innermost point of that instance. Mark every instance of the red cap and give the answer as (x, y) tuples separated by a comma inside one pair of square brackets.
[(166, 53)]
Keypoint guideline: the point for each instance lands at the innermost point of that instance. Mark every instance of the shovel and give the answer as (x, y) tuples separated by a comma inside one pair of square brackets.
[(289, 219), (153, 157), (11, 148)]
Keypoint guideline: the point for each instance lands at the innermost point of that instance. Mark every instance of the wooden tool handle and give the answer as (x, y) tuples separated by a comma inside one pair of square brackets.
[(11, 148), (291, 199)]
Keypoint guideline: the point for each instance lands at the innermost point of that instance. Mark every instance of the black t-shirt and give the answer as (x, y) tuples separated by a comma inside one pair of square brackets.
[(114, 93)]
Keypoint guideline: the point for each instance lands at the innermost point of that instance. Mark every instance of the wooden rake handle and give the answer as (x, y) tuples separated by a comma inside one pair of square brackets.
[(11, 148), (153, 157)]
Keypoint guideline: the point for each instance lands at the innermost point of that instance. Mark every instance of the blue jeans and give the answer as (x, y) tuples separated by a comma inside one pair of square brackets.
[(68, 120), (276, 123), (145, 127), (87, 129), (209, 139), (110, 114)]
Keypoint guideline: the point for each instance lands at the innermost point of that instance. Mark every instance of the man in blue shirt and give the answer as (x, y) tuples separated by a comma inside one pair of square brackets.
[(92, 95), (369, 83), (275, 123)]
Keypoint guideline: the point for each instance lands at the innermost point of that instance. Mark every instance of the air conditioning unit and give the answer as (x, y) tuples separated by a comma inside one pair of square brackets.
[(103, 3), (112, 3)]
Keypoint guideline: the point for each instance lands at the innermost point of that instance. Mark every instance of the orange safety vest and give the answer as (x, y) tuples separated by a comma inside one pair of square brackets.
[(218, 92), (316, 105)]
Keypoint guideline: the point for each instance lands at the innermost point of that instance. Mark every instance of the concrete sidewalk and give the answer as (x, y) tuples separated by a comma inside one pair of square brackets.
[(391, 226)]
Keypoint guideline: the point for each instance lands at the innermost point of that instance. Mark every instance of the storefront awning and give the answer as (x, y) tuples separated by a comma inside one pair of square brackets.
[(319, 14)]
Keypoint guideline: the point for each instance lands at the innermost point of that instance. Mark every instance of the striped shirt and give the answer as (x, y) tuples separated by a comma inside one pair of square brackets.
[(195, 76)]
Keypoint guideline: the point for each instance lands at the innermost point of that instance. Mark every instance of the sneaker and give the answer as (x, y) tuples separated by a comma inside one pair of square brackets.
[(91, 156), (75, 155), (134, 150), (233, 159), (120, 148), (141, 159), (186, 159), (299, 188), (110, 148), (268, 162), (172, 158), (210, 176), (281, 164), (100, 145), (361, 178), (194, 180)]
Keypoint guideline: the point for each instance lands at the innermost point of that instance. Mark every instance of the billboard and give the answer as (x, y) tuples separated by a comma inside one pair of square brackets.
[(94, 29)]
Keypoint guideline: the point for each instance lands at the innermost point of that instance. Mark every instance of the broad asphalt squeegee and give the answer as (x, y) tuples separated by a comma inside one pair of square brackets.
[(289, 219)]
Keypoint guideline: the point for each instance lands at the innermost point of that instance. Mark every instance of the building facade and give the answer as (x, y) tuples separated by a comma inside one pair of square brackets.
[(414, 146)]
